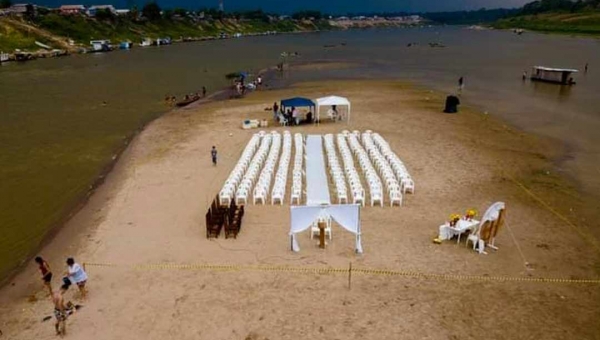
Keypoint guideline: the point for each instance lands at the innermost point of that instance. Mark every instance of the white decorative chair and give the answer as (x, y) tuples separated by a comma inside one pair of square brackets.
[(395, 197)]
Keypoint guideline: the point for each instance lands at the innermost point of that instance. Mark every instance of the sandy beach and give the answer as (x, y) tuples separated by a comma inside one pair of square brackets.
[(151, 211)]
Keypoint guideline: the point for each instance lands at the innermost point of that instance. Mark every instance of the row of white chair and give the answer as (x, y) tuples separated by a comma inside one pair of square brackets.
[(245, 187), (369, 172), (278, 193), (385, 171), (358, 192), (297, 172), (264, 180), (406, 182), (235, 177), (335, 170)]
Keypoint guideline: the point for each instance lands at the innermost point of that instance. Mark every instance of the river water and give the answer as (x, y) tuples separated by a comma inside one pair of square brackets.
[(61, 120)]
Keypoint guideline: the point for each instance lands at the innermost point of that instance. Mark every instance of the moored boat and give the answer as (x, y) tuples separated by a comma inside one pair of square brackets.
[(100, 46), (125, 45), (187, 101), (4, 57)]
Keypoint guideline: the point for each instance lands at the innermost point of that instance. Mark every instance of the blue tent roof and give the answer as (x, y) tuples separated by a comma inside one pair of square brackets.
[(297, 102)]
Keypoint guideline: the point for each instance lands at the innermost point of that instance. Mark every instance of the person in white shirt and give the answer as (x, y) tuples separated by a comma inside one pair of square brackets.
[(77, 275), (295, 116)]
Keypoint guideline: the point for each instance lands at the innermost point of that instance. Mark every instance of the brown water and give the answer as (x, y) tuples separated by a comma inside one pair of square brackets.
[(56, 134)]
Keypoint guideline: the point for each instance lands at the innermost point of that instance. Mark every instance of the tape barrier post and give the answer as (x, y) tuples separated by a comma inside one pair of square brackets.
[(350, 276)]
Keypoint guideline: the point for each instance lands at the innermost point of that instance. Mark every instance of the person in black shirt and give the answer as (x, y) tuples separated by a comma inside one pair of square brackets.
[(213, 154)]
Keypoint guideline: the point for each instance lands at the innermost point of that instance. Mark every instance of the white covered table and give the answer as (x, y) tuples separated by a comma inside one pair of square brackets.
[(447, 232)]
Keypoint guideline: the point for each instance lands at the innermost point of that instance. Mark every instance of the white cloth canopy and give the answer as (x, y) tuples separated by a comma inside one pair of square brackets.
[(491, 214), (317, 188), (346, 215), (329, 101)]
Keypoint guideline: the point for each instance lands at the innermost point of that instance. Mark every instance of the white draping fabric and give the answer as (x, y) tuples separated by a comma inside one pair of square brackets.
[(493, 212), (317, 187), (347, 216)]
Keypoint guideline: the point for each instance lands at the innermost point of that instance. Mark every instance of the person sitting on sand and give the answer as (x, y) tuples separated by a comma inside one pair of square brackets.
[(77, 275), (60, 311), (44, 268)]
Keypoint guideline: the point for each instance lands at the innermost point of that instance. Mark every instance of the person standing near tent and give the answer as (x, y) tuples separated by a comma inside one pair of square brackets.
[(295, 117), (213, 155), (203, 91), (275, 110), (259, 82)]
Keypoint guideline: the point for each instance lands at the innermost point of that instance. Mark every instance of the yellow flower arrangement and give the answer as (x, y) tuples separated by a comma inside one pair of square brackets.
[(471, 213), (453, 219)]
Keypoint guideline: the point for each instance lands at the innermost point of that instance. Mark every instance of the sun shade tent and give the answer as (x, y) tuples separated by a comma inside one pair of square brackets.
[(297, 102), (332, 100), (346, 215)]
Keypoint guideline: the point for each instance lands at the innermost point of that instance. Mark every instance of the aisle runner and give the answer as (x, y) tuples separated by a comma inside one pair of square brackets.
[(317, 188)]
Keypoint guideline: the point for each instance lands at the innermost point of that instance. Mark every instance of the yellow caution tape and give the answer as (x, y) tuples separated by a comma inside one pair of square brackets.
[(586, 236), (383, 272)]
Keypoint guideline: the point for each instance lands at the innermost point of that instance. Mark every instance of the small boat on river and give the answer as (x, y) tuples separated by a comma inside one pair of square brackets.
[(187, 101)]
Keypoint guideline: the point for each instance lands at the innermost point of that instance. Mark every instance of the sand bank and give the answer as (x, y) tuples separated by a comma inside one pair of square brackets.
[(151, 210)]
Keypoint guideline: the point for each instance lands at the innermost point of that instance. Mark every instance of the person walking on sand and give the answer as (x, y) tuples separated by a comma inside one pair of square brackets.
[(461, 83), (77, 275), (46, 273), (213, 155), (60, 310), (524, 75), (203, 91), (586, 68)]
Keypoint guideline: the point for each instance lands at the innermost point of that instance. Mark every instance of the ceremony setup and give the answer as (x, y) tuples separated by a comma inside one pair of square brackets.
[(332, 178)]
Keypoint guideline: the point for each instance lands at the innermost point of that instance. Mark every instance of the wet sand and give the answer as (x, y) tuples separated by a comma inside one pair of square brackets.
[(151, 210)]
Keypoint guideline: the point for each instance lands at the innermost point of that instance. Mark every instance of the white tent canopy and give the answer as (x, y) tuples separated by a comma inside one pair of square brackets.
[(346, 215), (329, 101)]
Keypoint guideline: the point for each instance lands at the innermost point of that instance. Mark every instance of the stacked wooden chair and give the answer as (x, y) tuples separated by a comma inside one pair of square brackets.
[(233, 220), (228, 217)]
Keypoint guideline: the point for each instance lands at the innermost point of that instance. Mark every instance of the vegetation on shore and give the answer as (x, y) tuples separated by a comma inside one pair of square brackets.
[(73, 31), (556, 16)]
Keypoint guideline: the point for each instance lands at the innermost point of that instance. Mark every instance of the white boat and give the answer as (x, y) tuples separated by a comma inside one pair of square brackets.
[(146, 42), (100, 45), (4, 57)]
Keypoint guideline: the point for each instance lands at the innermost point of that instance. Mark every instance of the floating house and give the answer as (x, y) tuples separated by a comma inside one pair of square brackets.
[(553, 75)]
